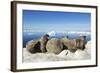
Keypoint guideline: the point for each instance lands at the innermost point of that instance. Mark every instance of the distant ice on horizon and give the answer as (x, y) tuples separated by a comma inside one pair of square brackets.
[(78, 32), (52, 33)]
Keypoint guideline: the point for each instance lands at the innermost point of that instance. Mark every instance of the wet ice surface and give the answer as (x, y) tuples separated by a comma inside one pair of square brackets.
[(65, 55)]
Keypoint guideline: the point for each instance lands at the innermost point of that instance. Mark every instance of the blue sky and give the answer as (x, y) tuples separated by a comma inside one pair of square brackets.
[(56, 21)]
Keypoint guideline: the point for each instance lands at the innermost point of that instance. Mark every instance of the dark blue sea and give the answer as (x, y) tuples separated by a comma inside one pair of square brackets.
[(27, 37)]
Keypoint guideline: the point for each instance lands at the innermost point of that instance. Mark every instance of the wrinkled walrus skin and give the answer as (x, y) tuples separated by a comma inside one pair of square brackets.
[(74, 44), (43, 42), (54, 45), (33, 46), (81, 42), (38, 45)]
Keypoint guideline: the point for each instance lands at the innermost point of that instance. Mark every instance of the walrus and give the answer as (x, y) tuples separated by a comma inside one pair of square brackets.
[(33, 46), (54, 45), (43, 42), (81, 42), (38, 45), (74, 44)]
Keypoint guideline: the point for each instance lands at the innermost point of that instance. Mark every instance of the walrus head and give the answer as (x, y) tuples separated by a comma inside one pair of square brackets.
[(81, 42), (43, 42)]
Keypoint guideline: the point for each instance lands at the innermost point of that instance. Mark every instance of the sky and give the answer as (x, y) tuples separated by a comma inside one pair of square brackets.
[(56, 21)]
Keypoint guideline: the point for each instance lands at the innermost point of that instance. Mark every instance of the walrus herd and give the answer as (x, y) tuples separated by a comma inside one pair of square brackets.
[(55, 45)]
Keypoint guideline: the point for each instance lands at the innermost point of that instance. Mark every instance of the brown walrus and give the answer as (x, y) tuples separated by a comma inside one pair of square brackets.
[(38, 45), (74, 44), (54, 45), (43, 42), (33, 46)]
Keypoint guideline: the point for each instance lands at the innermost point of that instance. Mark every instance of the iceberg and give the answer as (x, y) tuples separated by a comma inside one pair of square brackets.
[(52, 33)]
